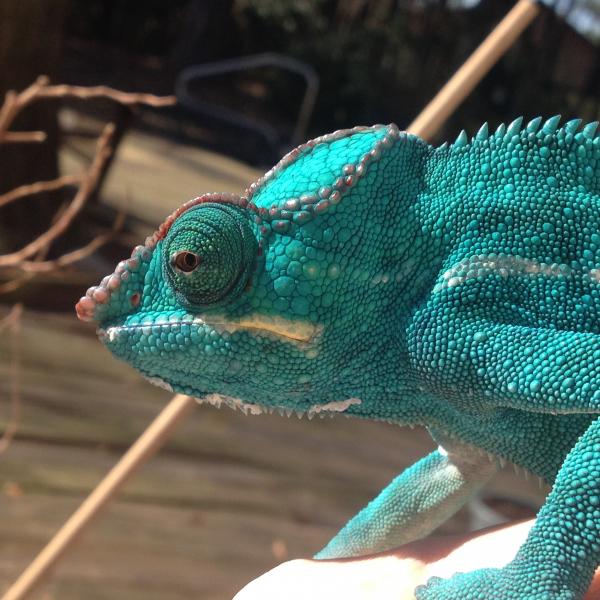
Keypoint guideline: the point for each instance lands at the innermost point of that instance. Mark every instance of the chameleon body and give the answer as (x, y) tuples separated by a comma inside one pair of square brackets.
[(455, 287)]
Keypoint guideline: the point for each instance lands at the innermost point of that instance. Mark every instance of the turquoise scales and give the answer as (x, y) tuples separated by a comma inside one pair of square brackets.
[(456, 287)]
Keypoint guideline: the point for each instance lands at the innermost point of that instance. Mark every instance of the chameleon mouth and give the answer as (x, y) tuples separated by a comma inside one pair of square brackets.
[(297, 332)]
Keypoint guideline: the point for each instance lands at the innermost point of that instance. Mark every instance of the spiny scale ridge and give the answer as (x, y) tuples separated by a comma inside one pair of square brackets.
[(505, 133)]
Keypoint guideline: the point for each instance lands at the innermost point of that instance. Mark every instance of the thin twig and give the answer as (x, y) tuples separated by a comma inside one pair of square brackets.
[(30, 258), (23, 277), (87, 186), (14, 103), (41, 89), (14, 284), (32, 266), (38, 187), (12, 321), (102, 91), (9, 319), (17, 137)]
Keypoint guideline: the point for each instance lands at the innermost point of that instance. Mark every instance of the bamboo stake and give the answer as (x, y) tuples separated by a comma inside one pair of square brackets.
[(146, 445), (462, 83)]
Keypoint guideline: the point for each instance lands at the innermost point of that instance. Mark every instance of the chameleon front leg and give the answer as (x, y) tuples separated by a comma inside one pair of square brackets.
[(416, 502), (562, 551)]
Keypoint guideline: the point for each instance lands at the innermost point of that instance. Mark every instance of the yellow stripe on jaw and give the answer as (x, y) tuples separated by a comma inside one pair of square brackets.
[(296, 331)]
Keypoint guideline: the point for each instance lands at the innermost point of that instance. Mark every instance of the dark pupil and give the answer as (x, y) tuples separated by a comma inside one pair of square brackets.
[(187, 261)]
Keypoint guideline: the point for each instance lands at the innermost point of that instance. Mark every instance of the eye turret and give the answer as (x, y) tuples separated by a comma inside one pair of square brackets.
[(209, 253)]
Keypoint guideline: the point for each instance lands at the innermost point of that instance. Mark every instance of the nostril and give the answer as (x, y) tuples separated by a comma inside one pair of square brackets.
[(135, 299)]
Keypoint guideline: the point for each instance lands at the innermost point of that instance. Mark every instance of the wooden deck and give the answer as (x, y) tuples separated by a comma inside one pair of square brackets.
[(228, 498)]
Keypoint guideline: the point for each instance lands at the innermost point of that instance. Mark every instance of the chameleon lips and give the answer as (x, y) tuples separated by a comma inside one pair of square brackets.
[(289, 329)]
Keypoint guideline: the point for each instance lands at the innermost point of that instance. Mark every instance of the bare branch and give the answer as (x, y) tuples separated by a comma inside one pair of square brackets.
[(38, 187), (41, 89), (14, 103), (102, 91), (16, 137), (15, 284), (22, 277), (32, 266), (29, 261), (103, 151)]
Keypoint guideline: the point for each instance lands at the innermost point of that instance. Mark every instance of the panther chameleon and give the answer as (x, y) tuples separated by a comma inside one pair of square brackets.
[(370, 273)]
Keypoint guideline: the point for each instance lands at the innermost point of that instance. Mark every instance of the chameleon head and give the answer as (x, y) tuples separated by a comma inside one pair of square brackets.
[(248, 296)]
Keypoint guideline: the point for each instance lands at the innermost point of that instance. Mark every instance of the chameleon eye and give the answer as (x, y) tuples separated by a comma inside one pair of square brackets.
[(209, 253), (185, 261)]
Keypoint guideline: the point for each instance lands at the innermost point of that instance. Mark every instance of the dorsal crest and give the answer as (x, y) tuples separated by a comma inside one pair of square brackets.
[(571, 132)]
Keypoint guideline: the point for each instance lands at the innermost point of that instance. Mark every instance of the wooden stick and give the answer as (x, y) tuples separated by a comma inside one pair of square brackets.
[(434, 115), (146, 445)]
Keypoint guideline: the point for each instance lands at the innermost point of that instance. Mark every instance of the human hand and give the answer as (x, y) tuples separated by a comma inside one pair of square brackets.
[(396, 573)]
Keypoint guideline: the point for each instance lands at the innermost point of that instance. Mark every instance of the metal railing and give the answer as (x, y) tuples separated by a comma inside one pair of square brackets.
[(195, 103)]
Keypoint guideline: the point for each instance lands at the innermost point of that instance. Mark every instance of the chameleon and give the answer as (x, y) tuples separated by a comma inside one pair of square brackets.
[(369, 273)]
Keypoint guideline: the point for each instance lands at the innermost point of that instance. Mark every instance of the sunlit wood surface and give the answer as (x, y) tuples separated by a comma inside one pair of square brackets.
[(228, 498)]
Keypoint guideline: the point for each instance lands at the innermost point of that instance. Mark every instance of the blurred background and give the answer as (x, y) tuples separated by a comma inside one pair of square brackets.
[(86, 173)]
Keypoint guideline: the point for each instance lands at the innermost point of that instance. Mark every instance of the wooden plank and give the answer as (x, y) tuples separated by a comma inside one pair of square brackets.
[(204, 516)]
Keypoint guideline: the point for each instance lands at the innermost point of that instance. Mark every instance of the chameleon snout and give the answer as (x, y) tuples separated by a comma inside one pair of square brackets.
[(118, 293)]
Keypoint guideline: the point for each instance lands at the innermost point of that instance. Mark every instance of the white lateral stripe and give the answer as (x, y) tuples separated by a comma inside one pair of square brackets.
[(339, 406), (159, 383), (217, 400), (505, 266)]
